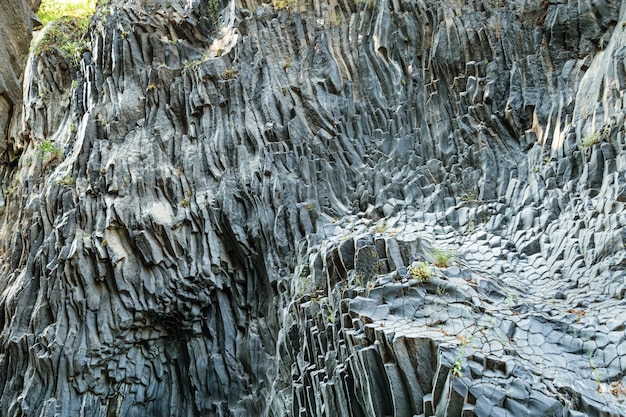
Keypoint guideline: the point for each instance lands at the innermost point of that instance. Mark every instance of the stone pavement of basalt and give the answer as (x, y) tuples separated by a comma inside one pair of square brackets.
[(492, 334)]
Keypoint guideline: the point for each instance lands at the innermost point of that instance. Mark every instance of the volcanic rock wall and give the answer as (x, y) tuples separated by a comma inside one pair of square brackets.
[(16, 19), (221, 209)]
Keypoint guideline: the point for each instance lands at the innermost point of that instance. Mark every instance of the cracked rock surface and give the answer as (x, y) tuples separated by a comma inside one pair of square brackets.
[(230, 209)]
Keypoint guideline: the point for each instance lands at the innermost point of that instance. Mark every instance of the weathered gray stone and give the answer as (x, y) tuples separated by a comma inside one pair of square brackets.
[(227, 225), (16, 25)]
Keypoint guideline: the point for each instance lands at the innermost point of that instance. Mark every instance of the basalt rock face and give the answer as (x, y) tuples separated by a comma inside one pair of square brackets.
[(229, 209), (16, 20)]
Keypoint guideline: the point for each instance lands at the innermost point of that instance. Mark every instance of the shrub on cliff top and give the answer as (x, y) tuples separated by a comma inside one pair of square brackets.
[(55, 9), (67, 35)]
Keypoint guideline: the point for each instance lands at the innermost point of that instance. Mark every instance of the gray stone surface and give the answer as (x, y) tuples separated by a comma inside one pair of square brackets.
[(233, 219), (16, 23)]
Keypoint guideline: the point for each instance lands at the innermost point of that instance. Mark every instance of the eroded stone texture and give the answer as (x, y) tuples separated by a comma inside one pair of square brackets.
[(212, 171), (16, 21), (493, 333)]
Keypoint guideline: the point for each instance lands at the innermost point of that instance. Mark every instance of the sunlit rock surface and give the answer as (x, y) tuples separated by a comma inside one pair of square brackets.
[(223, 209)]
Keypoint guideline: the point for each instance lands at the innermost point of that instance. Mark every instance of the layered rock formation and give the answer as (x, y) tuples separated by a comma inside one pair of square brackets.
[(16, 22), (221, 210)]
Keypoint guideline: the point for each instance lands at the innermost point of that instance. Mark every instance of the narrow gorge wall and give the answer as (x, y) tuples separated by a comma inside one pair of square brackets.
[(221, 210), (16, 18)]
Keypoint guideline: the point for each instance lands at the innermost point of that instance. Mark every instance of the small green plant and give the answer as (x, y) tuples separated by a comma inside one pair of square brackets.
[(48, 150), (73, 128), (359, 279), (457, 366), (468, 196), (105, 242), (68, 180), (442, 258), (484, 214), (195, 62), (330, 314), (213, 7), (284, 4), (422, 272), (589, 141), (9, 190), (185, 203), (441, 291), (75, 84)]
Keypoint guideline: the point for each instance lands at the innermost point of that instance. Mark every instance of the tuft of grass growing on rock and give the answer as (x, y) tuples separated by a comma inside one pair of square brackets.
[(589, 140), (442, 258), (595, 137)]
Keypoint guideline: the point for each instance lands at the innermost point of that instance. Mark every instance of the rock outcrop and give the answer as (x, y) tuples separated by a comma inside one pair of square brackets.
[(235, 209), (16, 22)]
